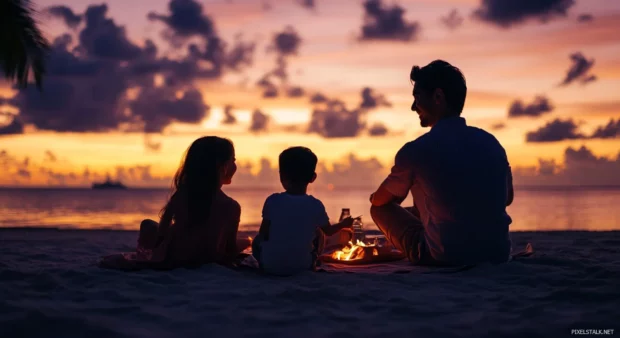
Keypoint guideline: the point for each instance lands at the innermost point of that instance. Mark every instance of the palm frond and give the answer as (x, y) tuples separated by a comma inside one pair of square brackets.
[(23, 48)]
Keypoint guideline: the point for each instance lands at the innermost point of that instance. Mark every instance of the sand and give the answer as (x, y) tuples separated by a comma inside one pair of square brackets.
[(49, 287)]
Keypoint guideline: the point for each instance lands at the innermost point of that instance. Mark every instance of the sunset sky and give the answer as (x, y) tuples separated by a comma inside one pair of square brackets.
[(132, 83)]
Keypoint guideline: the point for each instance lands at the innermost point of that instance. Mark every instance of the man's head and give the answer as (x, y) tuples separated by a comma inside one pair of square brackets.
[(297, 167), (439, 91)]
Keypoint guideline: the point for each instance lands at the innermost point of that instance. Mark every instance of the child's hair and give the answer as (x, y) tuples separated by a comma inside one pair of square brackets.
[(298, 164), (197, 180)]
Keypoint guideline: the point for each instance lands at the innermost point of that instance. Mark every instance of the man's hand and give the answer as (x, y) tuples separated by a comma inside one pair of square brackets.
[(346, 223)]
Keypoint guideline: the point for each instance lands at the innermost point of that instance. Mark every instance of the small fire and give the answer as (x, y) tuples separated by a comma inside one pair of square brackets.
[(359, 250)]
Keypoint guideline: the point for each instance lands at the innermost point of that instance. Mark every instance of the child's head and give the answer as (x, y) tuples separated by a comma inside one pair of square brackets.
[(297, 167)]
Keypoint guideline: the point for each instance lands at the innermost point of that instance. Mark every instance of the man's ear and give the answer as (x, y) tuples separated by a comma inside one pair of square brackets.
[(313, 178), (438, 96)]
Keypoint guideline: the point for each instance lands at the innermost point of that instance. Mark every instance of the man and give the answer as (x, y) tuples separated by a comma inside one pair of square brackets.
[(459, 177)]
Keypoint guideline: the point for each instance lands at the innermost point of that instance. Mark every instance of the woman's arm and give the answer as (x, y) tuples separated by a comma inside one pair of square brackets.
[(231, 249)]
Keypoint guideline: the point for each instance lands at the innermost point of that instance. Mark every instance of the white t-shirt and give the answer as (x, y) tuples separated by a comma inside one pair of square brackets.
[(294, 222)]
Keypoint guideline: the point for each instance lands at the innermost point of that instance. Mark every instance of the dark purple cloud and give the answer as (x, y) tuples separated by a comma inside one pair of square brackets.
[(387, 23), (508, 13), (452, 20), (159, 107), (371, 100), (318, 98), (611, 130), (540, 106), (556, 130), (185, 20), (14, 127), (378, 129), (579, 70), (104, 39), (498, 126), (334, 120), (229, 116), (295, 92), (309, 4), (586, 17), (287, 42), (71, 19), (260, 121)]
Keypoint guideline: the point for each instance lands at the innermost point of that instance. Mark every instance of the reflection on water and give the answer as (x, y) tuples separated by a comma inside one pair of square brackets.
[(542, 209)]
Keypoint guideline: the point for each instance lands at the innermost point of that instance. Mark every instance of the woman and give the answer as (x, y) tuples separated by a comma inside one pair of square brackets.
[(199, 222)]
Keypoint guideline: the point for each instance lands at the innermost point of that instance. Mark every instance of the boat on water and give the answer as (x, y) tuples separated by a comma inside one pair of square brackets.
[(108, 184)]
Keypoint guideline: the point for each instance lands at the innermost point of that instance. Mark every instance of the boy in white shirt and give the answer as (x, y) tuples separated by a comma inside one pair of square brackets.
[(294, 223)]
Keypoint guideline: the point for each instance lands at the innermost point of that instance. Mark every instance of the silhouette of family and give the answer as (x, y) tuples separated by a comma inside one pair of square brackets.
[(459, 177)]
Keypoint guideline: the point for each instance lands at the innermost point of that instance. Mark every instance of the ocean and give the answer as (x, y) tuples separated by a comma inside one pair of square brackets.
[(534, 209)]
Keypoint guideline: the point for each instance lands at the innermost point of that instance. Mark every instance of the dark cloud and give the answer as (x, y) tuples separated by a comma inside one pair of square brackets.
[(371, 100), (104, 39), (270, 90), (507, 13), (611, 130), (387, 23), (65, 13), (538, 107), (378, 129), (13, 127), (309, 4), (151, 145), (453, 20), (229, 116), (334, 120), (295, 92), (159, 107), (50, 156), (260, 121), (498, 126), (586, 17), (556, 130), (579, 70), (87, 84), (287, 42), (185, 20), (318, 98)]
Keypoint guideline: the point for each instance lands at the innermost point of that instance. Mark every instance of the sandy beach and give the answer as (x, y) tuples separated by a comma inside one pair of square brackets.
[(49, 287)]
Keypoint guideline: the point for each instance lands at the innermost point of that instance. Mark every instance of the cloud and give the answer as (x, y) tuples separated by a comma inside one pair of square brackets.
[(378, 129), (87, 83), (309, 4), (229, 116), (585, 17), (611, 130), (556, 130), (318, 98), (65, 13), (371, 100), (260, 121), (13, 127), (508, 13), (287, 42), (184, 20), (579, 70), (536, 108), (498, 126), (387, 23), (579, 168), (50, 156), (452, 20), (295, 91)]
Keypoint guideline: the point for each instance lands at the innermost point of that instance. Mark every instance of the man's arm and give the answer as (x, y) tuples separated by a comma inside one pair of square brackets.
[(329, 229), (395, 187), (510, 189)]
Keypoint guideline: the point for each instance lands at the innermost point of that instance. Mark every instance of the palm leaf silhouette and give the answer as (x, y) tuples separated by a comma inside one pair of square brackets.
[(23, 48)]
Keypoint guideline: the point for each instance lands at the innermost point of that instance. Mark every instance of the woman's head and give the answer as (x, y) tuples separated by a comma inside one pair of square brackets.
[(210, 160), (209, 163)]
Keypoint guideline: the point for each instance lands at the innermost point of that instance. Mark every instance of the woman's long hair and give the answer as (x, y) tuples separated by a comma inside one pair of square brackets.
[(197, 181)]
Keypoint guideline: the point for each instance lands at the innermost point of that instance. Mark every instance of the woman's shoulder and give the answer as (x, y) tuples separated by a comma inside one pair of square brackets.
[(225, 201)]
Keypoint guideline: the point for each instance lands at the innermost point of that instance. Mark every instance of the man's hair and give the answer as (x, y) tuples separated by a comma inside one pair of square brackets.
[(298, 164), (441, 74)]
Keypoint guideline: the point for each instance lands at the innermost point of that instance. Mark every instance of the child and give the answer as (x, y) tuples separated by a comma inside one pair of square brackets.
[(290, 236)]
